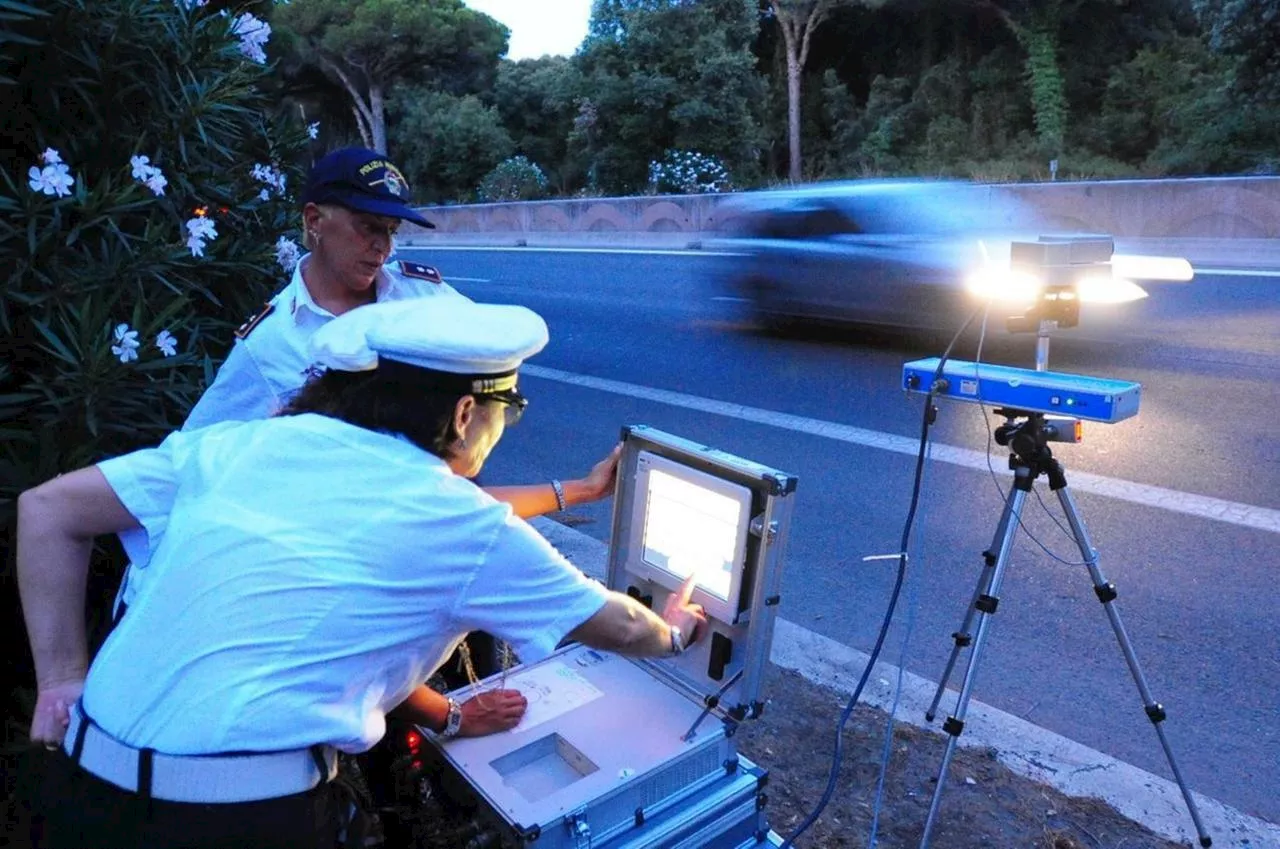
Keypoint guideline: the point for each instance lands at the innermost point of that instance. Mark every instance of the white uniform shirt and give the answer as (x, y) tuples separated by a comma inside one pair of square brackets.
[(272, 361), (306, 576), (270, 364)]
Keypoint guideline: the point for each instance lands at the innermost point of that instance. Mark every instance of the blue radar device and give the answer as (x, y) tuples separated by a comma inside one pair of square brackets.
[(1053, 393)]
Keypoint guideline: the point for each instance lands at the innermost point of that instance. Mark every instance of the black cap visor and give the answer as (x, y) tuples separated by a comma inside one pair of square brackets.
[(361, 202)]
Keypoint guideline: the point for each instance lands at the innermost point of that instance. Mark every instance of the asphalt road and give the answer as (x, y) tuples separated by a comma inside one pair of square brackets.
[(1182, 502)]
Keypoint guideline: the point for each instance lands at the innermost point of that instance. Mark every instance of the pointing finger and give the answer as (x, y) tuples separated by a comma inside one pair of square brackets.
[(686, 589)]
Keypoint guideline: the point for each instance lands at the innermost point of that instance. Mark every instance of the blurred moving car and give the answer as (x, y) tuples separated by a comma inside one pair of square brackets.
[(865, 252)]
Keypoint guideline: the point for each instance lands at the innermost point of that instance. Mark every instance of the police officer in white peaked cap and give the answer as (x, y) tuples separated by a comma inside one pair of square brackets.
[(310, 571)]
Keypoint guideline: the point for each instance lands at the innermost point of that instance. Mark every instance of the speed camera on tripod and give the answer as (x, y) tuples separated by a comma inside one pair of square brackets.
[(1050, 277)]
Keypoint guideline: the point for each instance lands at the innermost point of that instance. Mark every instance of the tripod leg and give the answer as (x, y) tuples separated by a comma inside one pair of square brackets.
[(985, 605), (964, 637), (1106, 592)]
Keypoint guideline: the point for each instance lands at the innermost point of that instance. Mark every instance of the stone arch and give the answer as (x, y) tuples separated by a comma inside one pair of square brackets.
[(1250, 214), (664, 216), (602, 217), (550, 217)]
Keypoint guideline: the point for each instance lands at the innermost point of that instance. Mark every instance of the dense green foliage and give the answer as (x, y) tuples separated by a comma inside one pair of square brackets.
[(668, 74), (990, 89), (444, 143)]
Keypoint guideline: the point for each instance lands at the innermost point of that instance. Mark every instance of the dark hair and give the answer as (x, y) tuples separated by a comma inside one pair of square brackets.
[(392, 398)]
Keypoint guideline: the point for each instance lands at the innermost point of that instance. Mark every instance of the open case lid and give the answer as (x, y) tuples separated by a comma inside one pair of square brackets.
[(681, 507)]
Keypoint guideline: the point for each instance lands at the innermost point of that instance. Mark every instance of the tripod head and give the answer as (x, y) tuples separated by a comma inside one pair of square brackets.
[(1027, 436)]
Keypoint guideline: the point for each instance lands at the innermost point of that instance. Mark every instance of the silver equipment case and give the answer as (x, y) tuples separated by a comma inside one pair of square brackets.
[(618, 752)]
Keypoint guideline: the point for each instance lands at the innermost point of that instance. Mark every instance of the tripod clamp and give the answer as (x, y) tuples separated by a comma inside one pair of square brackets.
[(1027, 436)]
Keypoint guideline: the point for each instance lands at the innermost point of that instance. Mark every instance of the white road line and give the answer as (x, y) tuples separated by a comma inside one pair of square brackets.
[(1238, 272), (1231, 512), (686, 252)]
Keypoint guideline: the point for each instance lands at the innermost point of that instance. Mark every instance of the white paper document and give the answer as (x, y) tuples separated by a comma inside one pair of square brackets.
[(552, 689)]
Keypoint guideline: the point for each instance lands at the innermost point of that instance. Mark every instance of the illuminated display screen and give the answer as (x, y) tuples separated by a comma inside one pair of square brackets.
[(691, 530)]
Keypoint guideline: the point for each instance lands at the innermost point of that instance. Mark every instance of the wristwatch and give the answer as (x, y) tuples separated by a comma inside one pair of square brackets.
[(453, 724), (678, 644)]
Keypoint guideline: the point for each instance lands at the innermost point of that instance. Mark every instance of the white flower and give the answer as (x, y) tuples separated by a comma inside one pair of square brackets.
[(50, 156), (53, 179), (313, 129), (272, 176), (202, 228), (126, 347), (253, 33), (264, 195), (141, 167), (287, 253), (198, 230), (167, 344), (190, 4), (156, 183), (148, 174)]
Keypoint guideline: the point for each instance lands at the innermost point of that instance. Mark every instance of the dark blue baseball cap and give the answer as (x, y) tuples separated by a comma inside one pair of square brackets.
[(363, 180)]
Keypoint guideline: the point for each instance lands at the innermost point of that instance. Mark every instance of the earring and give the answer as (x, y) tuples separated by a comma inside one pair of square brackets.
[(462, 443), (314, 236)]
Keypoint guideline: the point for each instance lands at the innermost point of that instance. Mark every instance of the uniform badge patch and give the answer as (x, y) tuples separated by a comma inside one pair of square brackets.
[(243, 331), (419, 271)]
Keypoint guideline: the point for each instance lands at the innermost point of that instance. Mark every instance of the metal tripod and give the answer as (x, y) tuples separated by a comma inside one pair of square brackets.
[(1030, 457)]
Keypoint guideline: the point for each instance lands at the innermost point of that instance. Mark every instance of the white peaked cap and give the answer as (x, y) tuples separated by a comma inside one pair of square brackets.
[(449, 334)]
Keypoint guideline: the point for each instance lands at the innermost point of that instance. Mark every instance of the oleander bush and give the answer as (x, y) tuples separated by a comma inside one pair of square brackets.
[(145, 210), (688, 172)]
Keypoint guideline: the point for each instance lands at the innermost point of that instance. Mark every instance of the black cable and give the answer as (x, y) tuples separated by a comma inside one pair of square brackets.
[(930, 414)]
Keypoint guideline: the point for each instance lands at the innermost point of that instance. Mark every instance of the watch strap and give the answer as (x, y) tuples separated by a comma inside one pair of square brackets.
[(678, 644), (453, 723)]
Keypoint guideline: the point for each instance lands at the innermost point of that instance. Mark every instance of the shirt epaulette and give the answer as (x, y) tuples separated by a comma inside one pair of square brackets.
[(419, 271), (243, 331)]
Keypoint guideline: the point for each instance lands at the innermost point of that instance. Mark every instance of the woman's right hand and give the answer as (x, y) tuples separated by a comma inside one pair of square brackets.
[(691, 619), (53, 712)]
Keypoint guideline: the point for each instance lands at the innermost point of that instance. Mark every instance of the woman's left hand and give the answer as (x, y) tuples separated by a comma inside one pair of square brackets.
[(491, 712), (599, 482)]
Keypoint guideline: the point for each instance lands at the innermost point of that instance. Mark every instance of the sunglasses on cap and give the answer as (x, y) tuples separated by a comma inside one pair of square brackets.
[(513, 404)]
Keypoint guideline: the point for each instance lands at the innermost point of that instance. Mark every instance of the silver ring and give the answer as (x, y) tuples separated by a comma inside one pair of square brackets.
[(52, 747)]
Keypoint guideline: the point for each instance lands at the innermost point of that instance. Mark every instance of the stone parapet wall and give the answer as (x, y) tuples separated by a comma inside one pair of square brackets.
[(1206, 208)]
